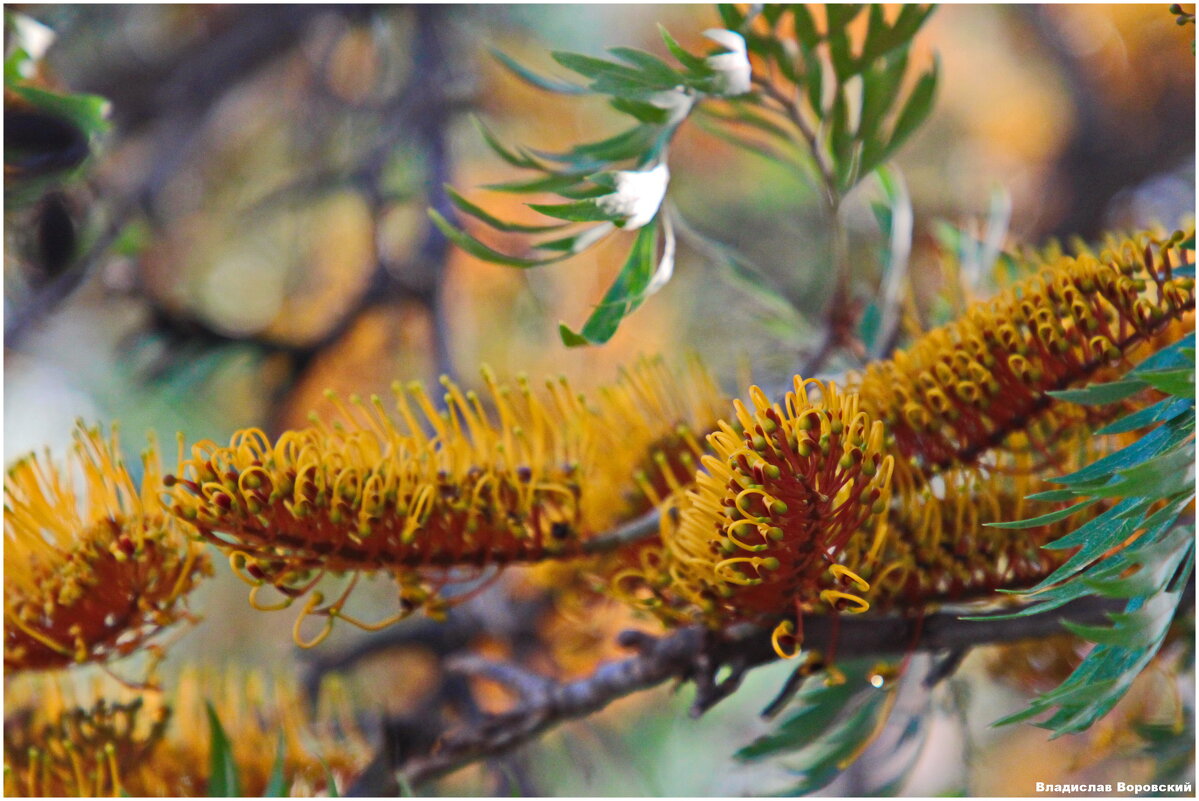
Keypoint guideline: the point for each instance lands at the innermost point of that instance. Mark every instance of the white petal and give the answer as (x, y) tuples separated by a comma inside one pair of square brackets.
[(726, 38), (665, 267)]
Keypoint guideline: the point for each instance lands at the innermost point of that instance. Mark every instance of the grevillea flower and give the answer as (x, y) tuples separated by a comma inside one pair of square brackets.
[(966, 419), (93, 576), (113, 743), (431, 494), (637, 195), (732, 68), (782, 495), (961, 390)]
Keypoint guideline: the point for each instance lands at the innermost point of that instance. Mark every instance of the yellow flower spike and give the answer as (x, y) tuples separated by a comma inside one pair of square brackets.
[(73, 561), (108, 742), (511, 474)]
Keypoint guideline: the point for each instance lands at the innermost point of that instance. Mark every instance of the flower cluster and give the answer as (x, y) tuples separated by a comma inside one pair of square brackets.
[(793, 512), (961, 390), (56, 744), (512, 476), (783, 493), (94, 576)]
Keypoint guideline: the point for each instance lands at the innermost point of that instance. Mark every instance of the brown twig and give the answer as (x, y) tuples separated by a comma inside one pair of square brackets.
[(696, 654)]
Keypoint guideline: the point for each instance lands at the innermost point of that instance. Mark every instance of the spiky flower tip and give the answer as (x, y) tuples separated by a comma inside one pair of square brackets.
[(59, 743), (94, 575), (508, 477), (963, 389), (783, 493)]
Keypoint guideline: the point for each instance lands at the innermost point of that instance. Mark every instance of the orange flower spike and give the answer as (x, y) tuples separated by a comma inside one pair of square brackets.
[(91, 577)]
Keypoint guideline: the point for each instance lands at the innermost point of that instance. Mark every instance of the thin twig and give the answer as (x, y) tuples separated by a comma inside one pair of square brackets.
[(697, 655)]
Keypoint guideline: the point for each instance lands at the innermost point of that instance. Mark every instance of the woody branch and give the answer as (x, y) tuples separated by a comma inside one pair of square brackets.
[(695, 654)]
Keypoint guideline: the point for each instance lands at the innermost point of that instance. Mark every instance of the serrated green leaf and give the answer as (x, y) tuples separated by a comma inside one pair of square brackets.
[(1166, 474), (1099, 394), (223, 780), (276, 786), (1160, 412), (1179, 383), (1156, 441), (1054, 496), (819, 704), (1045, 519), (539, 81), (1093, 539)]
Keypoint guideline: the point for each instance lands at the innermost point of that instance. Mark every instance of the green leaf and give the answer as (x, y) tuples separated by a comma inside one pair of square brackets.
[(276, 786), (1160, 412), (1156, 441), (694, 64), (581, 211), (541, 82), (731, 16), (1163, 475), (623, 297), (89, 112), (805, 27), (1180, 383), (653, 67), (516, 160), (480, 251), (1045, 519), (915, 110), (642, 112), (1100, 394), (553, 182), (223, 781), (471, 210)]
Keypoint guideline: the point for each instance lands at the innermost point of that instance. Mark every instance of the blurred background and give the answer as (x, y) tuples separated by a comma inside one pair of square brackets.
[(251, 230)]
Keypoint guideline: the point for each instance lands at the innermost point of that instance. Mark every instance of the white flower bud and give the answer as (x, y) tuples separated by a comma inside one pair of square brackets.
[(638, 195), (732, 69)]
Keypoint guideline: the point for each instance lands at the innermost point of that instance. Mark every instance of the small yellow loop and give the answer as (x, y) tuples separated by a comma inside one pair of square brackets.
[(841, 571), (830, 597), (784, 629), (724, 571), (286, 602), (314, 600)]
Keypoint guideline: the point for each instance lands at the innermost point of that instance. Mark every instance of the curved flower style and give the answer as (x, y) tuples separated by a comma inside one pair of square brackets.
[(433, 493), (90, 578), (158, 745), (761, 532)]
